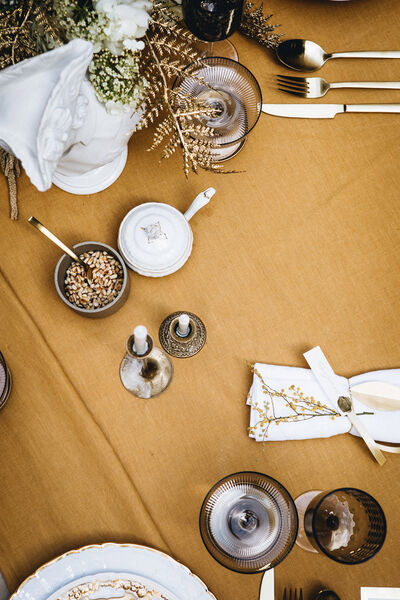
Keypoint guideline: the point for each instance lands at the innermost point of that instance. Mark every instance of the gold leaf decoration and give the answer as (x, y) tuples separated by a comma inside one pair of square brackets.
[(170, 52), (255, 25)]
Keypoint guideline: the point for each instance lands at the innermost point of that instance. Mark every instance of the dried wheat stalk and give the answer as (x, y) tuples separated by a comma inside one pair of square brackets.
[(11, 168)]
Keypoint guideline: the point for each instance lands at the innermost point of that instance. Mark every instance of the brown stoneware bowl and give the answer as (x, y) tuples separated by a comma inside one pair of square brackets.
[(92, 313)]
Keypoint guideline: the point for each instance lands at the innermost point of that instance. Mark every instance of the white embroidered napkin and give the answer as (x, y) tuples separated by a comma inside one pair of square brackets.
[(287, 403)]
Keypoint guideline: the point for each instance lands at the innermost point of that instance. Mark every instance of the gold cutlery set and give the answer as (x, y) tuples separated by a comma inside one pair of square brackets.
[(304, 55)]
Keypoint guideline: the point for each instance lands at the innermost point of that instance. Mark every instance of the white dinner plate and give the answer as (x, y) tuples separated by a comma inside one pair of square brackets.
[(153, 568)]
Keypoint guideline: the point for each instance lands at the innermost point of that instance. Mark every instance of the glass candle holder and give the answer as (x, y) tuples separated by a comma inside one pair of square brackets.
[(145, 371)]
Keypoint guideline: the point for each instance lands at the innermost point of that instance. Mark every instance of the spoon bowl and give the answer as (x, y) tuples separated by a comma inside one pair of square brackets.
[(301, 55)]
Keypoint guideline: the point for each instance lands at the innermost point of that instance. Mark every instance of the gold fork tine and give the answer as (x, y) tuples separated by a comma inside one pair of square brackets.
[(295, 88), (292, 88), (292, 82), (290, 78), (292, 92), (293, 594)]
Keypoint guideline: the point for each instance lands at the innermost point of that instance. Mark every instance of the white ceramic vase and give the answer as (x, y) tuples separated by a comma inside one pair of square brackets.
[(99, 151), (52, 121)]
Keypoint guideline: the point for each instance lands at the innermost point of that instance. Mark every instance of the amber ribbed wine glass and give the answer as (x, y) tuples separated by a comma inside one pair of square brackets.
[(248, 522)]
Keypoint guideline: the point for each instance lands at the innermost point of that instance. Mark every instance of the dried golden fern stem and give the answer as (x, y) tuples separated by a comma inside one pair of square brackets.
[(166, 98), (20, 28), (10, 166)]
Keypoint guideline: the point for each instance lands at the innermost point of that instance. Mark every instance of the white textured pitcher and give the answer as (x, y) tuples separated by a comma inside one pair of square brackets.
[(52, 121)]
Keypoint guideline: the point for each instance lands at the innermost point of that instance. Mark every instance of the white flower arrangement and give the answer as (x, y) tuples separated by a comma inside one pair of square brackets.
[(127, 22), (115, 28)]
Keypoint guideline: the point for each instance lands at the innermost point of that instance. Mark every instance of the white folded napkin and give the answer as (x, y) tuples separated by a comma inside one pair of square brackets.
[(287, 403)]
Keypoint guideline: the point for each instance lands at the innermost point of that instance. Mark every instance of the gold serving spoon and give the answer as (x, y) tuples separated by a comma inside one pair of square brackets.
[(60, 244)]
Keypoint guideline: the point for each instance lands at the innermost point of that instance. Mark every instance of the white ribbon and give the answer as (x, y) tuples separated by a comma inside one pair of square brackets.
[(334, 387)]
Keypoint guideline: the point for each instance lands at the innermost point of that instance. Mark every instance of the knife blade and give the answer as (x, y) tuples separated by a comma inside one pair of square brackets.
[(267, 586), (325, 111), (304, 111)]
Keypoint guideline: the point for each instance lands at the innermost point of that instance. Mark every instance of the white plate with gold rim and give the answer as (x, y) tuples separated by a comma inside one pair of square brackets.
[(154, 569)]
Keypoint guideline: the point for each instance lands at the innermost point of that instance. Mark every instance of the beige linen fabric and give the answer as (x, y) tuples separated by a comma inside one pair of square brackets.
[(300, 249)]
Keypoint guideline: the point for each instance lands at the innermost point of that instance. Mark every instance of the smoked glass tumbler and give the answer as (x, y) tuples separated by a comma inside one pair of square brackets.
[(248, 522), (346, 524)]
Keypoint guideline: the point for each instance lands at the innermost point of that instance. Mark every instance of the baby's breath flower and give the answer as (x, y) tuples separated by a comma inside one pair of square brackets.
[(113, 27), (117, 81)]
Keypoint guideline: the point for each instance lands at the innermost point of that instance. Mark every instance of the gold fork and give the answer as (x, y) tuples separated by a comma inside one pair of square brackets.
[(316, 87)]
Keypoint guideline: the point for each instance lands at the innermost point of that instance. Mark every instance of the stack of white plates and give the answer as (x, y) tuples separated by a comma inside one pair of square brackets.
[(162, 575)]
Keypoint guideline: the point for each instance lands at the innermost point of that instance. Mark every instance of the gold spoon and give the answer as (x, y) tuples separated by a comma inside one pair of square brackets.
[(303, 55), (60, 244)]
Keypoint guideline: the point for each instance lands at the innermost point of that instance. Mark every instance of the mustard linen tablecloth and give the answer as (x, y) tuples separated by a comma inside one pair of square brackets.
[(301, 248)]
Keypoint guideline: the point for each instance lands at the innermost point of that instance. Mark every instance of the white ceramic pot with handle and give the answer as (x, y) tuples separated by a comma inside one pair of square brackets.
[(155, 239)]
